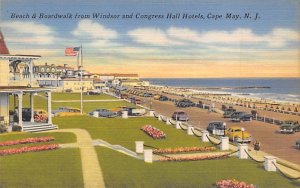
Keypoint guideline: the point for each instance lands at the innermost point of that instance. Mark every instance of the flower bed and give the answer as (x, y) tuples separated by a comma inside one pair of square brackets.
[(153, 132), (184, 149), (233, 184), (27, 140), (194, 158), (27, 149)]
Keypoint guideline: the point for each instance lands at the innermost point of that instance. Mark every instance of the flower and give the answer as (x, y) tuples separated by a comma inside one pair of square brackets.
[(233, 184), (195, 158), (27, 140), (153, 132), (183, 149), (27, 149)]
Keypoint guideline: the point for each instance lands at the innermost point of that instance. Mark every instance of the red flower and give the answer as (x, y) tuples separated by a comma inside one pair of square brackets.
[(27, 149), (183, 149), (194, 158), (153, 132), (233, 184), (27, 140)]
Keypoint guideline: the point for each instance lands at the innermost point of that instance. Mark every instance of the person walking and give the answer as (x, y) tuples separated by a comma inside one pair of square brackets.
[(256, 146)]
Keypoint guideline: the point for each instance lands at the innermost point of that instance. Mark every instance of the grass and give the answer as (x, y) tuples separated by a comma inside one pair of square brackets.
[(59, 168), (41, 103), (123, 171), (126, 131), (76, 96)]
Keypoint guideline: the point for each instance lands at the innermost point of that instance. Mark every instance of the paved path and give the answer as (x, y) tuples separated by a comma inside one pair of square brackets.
[(92, 174)]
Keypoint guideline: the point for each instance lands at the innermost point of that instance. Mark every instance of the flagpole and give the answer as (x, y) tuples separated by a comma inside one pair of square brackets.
[(81, 88)]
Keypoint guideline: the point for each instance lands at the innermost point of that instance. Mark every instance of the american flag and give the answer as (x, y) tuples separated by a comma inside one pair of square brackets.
[(73, 51)]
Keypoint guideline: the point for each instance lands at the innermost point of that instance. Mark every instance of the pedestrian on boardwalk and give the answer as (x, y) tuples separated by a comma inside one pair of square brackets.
[(256, 146)]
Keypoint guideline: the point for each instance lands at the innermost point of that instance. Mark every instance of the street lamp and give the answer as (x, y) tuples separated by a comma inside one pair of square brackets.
[(242, 129)]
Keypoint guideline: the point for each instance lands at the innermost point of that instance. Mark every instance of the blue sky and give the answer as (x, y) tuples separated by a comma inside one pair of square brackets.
[(133, 44)]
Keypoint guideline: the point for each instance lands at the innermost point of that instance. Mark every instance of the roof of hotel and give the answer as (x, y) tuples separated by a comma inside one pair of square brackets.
[(19, 57), (76, 79), (18, 89), (3, 47), (126, 75)]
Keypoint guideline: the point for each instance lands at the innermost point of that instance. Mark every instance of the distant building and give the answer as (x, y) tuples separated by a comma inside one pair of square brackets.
[(74, 84), (126, 76), (107, 77), (47, 75), (99, 84)]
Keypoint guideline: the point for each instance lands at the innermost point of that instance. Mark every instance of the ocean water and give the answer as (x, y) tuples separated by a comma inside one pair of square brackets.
[(278, 89)]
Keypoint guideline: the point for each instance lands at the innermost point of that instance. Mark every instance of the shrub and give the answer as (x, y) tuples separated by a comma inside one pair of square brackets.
[(17, 128), (3, 128)]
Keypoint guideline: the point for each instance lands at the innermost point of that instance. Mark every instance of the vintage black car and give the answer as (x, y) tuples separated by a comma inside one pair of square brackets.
[(163, 98), (290, 127), (241, 116), (180, 116), (228, 112), (217, 128), (185, 103)]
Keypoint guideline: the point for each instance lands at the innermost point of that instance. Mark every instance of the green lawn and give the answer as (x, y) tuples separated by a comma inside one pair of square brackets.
[(76, 96), (123, 171), (59, 168), (126, 131), (41, 103)]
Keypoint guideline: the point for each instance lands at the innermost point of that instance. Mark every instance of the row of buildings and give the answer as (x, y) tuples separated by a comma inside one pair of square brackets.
[(68, 79)]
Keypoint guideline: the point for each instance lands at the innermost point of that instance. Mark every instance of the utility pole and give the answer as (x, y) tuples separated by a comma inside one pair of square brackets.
[(81, 86)]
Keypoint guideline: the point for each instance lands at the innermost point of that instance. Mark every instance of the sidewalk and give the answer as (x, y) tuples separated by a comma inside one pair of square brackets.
[(92, 174)]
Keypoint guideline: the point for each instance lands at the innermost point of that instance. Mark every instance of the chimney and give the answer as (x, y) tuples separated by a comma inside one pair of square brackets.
[(3, 47)]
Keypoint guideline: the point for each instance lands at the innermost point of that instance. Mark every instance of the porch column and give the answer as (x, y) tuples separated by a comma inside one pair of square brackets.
[(31, 71), (49, 107), (31, 107), (20, 101)]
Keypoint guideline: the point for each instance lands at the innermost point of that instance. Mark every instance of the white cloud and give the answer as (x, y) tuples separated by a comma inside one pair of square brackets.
[(152, 36), (28, 27), (278, 37), (94, 30), (28, 32)]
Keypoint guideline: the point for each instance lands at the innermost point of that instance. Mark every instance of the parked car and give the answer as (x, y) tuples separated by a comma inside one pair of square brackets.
[(241, 116), (238, 134), (163, 98), (217, 128), (228, 112), (183, 103), (147, 95), (132, 111), (156, 97), (92, 93), (68, 90), (254, 113), (180, 116), (290, 127), (104, 113), (66, 111), (298, 144)]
